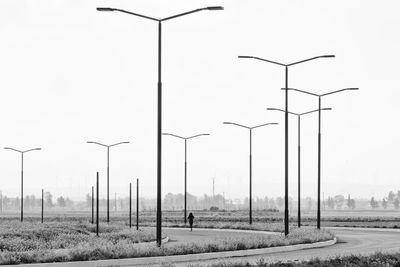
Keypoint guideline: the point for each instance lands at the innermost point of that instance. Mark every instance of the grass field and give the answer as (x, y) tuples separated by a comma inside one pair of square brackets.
[(375, 260), (73, 238), (262, 220)]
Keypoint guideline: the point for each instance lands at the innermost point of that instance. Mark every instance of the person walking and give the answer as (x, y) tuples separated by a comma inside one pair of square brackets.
[(191, 218)]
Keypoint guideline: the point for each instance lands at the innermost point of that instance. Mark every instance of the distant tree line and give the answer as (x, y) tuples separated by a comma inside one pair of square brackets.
[(391, 201), (175, 202)]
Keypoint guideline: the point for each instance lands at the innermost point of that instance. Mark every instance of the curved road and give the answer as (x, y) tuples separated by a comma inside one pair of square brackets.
[(350, 241)]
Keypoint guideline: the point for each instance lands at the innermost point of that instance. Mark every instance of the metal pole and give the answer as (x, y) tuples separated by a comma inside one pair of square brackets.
[(319, 165), (97, 204), (185, 196), (108, 184), (22, 186), (159, 132), (130, 205), (250, 169), (92, 204), (42, 204), (286, 153), (298, 169), (137, 204)]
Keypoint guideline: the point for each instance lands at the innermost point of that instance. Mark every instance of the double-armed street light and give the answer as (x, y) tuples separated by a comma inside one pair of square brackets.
[(185, 139), (298, 155), (250, 161), (108, 171), (159, 98), (287, 125), (319, 142), (22, 175)]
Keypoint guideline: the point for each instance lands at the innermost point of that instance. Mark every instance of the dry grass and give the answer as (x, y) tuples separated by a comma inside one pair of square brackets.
[(76, 241)]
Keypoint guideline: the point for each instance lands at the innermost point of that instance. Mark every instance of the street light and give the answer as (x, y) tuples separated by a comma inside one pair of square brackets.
[(185, 139), (22, 175), (159, 100), (287, 126), (298, 156), (250, 161), (319, 143), (108, 172)]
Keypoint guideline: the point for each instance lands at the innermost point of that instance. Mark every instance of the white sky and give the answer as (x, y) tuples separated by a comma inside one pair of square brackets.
[(69, 74)]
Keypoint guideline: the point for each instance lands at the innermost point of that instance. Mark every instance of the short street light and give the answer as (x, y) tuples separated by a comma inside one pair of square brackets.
[(22, 175), (287, 126), (108, 172), (298, 156), (185, 139), (319, 142), (250, 162), (159, 100)]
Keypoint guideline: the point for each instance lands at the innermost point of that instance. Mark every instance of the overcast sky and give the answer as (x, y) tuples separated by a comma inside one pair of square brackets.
[(69, 74)]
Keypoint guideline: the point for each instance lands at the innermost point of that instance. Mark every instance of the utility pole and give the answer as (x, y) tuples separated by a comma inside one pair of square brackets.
[(92, 204), (97, 204), (137, 204), (42, 203), (130, 205)]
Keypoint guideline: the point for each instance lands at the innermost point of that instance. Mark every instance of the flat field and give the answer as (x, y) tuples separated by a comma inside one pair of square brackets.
[(262, 220)]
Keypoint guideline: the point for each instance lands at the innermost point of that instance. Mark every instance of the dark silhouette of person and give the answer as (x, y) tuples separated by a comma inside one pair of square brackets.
[(191, 218)]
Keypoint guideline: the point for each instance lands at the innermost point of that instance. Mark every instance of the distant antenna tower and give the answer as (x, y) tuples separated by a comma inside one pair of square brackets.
[(213, 187)]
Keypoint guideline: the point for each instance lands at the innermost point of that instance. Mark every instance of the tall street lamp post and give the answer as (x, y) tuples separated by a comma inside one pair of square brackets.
[(159, 99), (108, 172), (185, 139), (250, 162), (298, 156), (22, 175), (319, 144), (287, 126)]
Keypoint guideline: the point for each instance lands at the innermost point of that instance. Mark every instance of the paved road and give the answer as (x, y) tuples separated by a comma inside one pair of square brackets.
[(350, 241), (183, 235)]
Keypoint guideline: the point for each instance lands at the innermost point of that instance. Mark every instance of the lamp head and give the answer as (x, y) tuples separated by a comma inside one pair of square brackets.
[(214, 8), (328, 56), (105, 9)]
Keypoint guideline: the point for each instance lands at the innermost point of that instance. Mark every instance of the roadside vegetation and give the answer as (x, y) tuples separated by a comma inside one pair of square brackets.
[(76, 240), (53, 241), (375, 260)]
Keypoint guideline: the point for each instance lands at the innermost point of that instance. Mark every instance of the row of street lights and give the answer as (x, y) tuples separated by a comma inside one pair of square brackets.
[(159, 126), (159, 117), (287, 124), (298, 156), (319, 141)]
